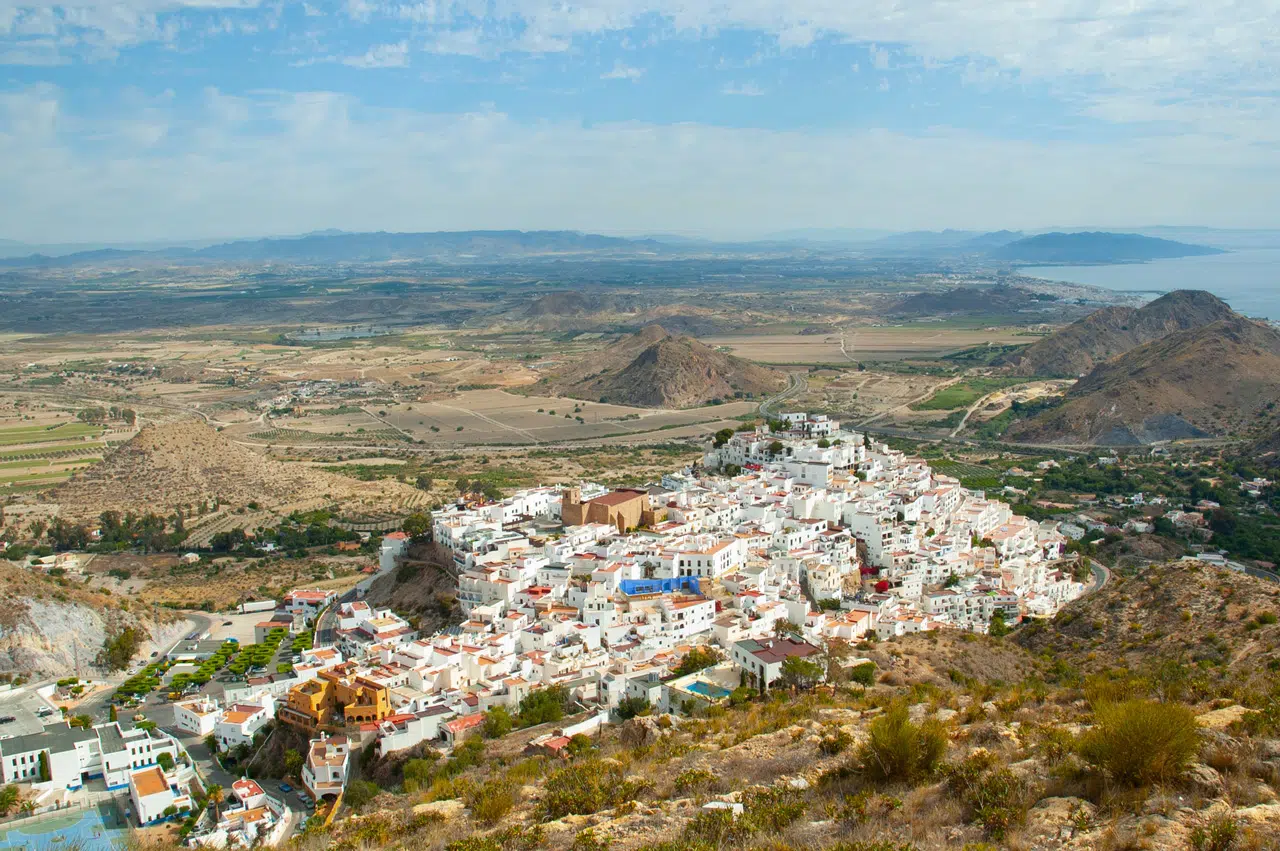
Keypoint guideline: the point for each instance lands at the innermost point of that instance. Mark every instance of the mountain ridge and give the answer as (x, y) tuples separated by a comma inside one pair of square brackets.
[(1112, 331), (1207, 381)]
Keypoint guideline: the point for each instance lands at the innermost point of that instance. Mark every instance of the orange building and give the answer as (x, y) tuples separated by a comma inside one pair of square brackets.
[(335, 698)]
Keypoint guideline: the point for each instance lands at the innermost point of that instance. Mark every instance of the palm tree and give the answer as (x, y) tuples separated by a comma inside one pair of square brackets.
[(215, 796), (27, 807)]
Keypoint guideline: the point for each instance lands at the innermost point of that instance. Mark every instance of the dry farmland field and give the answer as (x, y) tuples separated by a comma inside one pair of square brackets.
[(861, 343), (492, 418)]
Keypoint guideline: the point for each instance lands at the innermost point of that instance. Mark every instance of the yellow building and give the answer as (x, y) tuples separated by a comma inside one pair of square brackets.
[(335, 698)]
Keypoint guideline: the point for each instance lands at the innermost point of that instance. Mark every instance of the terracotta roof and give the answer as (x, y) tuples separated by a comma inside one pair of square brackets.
[(149, 781)]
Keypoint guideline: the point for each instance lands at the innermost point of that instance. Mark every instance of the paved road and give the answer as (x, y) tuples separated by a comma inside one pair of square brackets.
[(1101, 576), (796, 384), (327, 625)]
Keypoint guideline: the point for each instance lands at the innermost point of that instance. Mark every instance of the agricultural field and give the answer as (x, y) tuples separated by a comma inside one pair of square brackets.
[(43, 445), (494, 417), (862, 343), (975, 476), (964, 393)]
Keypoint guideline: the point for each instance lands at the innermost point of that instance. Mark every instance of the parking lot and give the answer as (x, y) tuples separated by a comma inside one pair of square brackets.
[(241, 628), (23, 705)]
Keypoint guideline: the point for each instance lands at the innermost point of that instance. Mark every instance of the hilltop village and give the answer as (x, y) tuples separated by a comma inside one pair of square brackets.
[(779, 545), (747, 570)]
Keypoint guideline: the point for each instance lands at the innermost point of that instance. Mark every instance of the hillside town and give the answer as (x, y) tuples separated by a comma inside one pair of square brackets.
[(781, 544)]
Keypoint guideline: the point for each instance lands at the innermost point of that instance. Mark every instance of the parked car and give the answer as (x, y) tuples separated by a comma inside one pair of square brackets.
[(286, 788), (227, 623), (7, 719)]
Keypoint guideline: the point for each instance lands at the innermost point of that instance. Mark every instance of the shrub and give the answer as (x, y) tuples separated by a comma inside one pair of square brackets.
[(498, 722), (585, 787), (864, 674), (715, 829), (360, 792), (995, 798), (693, 780), (1139, 742), (898, 750), (588, 841), (774, 809), (516, 838), (1217, 834), (835, 740), (490, 802)]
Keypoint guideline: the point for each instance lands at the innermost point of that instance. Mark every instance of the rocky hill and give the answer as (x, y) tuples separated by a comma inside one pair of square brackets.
[(1213, 621), (185, 463), (1112, 331), (1213, 380), (657, 369), (52, 629)]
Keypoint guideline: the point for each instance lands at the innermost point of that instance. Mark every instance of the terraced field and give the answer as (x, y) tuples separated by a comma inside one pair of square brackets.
[(33, 456)]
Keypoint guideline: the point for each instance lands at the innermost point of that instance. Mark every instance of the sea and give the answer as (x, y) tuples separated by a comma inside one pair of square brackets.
[(1248, 279)]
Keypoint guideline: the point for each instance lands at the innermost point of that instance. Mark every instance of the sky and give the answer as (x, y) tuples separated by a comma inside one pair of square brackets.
[(125, 120)]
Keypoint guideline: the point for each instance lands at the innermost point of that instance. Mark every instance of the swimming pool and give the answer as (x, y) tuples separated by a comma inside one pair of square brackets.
[(85, 830), (707, 689)]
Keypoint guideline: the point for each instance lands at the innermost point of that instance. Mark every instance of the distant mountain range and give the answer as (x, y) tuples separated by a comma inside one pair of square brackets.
[(332, 246), (1095, 247)]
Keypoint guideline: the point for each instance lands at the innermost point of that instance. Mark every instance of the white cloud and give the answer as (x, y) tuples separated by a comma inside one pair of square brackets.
[(750, 90), (381, 56), (879, 57), (338, 163), (622, 72)]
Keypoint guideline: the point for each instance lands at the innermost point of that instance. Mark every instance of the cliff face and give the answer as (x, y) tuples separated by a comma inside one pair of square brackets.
[(47, 630)]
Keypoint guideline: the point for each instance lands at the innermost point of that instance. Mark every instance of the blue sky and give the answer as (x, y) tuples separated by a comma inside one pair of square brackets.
[(167, 119)]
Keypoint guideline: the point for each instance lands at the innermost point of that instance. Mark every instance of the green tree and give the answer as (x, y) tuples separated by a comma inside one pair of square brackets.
[(798, 673), (632, 707), (360, 792), (722, 436), (8, 799), (418, 526), (696, 660), (998, 628), (165, 761), (292, 763), (498, 722), (215, 796), (45, 776), (543, 706)]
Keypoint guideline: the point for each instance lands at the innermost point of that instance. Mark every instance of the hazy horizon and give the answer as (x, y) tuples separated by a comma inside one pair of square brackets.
[(143, 120)]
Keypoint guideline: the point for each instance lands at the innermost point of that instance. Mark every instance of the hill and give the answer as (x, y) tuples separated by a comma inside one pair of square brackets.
[(1184, 612), (51, 628), (657, 369), (1095, 247), (186, 463), (1214, 380), (1112, 331)]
